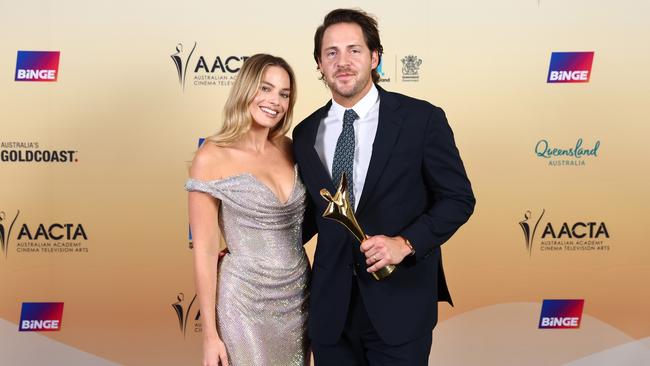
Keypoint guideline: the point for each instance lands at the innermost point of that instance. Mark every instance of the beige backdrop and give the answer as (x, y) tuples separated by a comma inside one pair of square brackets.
[(118, 104)]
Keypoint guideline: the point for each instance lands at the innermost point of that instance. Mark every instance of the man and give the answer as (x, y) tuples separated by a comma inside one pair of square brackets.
[(410, 192)]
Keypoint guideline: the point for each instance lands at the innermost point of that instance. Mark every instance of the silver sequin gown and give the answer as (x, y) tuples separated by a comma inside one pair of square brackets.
[(262, 295)]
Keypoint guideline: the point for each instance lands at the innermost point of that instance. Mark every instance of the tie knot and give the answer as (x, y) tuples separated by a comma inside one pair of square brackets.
[(349, 116)]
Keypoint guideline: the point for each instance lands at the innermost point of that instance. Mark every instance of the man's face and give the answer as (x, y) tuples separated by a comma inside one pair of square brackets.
[(346, 62)]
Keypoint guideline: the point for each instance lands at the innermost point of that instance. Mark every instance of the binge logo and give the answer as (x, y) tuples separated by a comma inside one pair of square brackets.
[(37, 66), (561, 314), (41, 316), (570, 67)]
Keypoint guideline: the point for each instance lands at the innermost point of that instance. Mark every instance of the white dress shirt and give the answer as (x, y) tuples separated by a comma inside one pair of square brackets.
[(365, 129)]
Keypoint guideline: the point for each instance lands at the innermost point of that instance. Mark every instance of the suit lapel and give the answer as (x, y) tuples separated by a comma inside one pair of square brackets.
[(388, 128), (314, 167)]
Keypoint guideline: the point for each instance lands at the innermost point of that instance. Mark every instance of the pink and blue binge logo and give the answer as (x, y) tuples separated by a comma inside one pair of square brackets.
[(41, 316), (570, 67), (37, 66), (561, 314)]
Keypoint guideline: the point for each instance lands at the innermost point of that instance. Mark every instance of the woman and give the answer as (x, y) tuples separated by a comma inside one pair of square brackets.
[(244, 185)]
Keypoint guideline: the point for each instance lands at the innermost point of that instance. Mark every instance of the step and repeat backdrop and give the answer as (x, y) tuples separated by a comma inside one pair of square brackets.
[(104, 103)]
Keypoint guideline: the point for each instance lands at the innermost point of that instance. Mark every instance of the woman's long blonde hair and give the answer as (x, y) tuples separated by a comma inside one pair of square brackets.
[(237, 117)]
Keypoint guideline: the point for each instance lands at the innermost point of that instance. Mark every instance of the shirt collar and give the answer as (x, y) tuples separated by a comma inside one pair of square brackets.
[(362, 107)]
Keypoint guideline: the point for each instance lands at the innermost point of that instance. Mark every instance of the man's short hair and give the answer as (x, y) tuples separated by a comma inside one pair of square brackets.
[(368, 25)]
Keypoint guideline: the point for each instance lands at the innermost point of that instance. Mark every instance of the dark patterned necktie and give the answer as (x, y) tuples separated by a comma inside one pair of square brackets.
[(344, 153)]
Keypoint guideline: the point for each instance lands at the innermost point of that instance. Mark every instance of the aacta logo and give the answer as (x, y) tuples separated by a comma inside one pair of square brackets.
[(37, 66), (592, 230), (181, 64), (6, 226), (582, 236), (561, 314), (54, 231), (183, 312), (570, 67), (529, 231), (220, 70), (41, 316), (52, 237)]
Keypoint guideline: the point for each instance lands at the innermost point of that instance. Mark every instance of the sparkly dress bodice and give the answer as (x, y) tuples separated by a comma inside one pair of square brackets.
[(263, 282)]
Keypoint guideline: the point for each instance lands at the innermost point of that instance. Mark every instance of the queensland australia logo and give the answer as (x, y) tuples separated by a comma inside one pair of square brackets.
[(41, 316), (33, 152), (45, 238), (411, 68), (202, 70), (37, 66), (561, 314), (187, 314), (570, 237), (577, 154), (570, 67)]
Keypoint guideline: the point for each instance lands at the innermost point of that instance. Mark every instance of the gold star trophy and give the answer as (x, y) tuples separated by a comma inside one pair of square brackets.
[(340, 210)]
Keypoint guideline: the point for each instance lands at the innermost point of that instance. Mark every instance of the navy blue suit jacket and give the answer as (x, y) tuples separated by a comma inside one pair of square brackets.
[(416, 187)]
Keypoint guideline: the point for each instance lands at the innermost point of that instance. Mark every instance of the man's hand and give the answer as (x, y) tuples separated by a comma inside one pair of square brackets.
[(383, 250)]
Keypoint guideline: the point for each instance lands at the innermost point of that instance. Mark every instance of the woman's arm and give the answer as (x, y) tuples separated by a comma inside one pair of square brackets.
[(203, 214)]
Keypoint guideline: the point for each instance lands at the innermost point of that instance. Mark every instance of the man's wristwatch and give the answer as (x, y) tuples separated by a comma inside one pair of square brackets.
[(408, 244)]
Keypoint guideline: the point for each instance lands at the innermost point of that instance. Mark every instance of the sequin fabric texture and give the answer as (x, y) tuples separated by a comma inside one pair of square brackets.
[(263, 294)]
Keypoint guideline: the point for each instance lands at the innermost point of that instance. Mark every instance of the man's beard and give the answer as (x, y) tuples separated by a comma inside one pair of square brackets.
[(349, 91)]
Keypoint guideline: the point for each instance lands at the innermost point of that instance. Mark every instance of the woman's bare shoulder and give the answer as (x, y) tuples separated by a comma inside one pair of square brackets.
[(210, 162)]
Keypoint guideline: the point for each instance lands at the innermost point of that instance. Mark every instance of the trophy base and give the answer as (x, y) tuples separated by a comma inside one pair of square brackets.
[(384, 272)]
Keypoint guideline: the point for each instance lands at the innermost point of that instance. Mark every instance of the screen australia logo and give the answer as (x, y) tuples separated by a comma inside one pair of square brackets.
[(568, 236), (205, 70)]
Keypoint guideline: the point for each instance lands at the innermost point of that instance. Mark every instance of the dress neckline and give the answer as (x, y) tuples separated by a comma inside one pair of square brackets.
[(258, 181)]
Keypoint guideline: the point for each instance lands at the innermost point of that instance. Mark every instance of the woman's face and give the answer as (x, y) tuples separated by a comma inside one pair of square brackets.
[(272, 99)]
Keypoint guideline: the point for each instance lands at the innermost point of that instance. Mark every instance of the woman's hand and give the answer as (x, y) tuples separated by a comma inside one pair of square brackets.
[(214, 353)]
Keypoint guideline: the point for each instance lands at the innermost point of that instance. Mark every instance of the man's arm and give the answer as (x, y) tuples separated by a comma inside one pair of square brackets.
[(453, 201), (309, 228)]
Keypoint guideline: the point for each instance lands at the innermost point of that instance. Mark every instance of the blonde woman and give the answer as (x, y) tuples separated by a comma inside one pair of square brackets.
[(244, 185)]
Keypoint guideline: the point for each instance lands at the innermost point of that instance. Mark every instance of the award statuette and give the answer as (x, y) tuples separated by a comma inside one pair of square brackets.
[(339, 209)]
